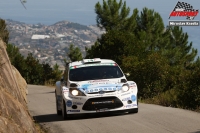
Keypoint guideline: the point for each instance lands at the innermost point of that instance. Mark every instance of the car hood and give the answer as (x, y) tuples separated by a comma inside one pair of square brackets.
[(97, 86)]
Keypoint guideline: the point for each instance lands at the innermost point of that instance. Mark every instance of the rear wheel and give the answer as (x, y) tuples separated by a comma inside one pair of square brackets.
[(64, 114)]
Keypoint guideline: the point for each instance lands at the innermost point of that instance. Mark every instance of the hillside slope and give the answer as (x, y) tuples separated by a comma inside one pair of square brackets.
[(14, 115)]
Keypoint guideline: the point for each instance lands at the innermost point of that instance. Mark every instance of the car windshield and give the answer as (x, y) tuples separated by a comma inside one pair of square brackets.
[(94, 73)]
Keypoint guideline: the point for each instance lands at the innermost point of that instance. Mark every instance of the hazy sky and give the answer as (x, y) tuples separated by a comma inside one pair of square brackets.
[(82, 11), (79, 11)]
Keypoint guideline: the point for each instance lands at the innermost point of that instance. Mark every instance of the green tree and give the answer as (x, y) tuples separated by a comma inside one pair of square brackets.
[(31, 69), (145, 35), (189, 89), (34, 70), (4, 34), (56, 73), (150, 73), (47, 72), (178, 51), (115, 18), (74, 53), (115, 15), (16, 59), (112, 45), (151, 31), (158, 58)]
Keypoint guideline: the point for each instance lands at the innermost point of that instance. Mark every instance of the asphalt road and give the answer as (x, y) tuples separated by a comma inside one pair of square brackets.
[(149, 119)]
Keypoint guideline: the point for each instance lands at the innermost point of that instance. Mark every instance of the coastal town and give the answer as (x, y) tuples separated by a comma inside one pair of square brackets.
[(50, 43)]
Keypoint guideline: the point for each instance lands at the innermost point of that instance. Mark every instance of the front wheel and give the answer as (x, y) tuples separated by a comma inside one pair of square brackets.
[(59, 112), (64, 114)]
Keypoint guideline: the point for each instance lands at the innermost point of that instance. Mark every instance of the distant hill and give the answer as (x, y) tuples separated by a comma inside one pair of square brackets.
[(9, 21), (80, 35), (72, 25), (29, 38)]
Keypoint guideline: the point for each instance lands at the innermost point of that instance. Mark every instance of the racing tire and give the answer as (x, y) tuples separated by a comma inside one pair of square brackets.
[(64, 114), (59, 112)]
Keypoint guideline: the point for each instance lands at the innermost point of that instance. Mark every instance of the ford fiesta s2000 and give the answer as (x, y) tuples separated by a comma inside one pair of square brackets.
[(95, 85)]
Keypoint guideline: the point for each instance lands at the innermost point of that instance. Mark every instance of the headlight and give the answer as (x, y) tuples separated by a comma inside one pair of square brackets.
[(76, 92), (125, 88)]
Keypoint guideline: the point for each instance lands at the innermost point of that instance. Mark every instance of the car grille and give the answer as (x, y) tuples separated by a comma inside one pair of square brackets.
[(93, 104)]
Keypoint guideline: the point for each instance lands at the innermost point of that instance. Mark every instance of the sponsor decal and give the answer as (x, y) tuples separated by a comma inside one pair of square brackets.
[(99, 95), (69, 103), (130, 106), (65, 89), (103, 102), (110, 94), (87, 88), (102, 110), (126, 99), (73, 110), (92, 60), (105, 89), (126, 94), (77, 103), (91, 91), (103, 80), (75, 97), (133, 87), (132, 83), (110, 89), (133, 98), (92, 96)]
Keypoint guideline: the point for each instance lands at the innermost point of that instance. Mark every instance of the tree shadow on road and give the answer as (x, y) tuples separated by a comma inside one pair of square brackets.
[(47, 118), (55, 117), (49, 92), (196, 131)]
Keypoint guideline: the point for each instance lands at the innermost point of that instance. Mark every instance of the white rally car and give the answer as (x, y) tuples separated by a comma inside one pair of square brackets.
[(95, 85)]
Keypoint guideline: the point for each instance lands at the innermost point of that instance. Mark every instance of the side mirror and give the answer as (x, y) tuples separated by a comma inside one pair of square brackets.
[(127, 74)]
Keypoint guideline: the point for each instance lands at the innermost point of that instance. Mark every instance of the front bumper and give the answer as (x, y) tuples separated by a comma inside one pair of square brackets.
[(100, 103)]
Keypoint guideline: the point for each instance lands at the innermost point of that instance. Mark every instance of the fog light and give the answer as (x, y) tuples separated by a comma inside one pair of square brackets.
[(129, 101), (74, 107)]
